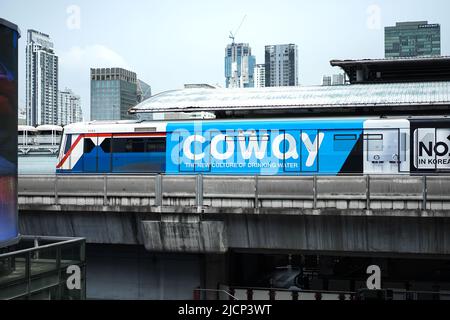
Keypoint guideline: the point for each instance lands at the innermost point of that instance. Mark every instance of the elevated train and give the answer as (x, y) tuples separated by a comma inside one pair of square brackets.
[(316, 146)]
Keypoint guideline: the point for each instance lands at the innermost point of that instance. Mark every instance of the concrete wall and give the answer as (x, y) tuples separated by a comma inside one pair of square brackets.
[(130, 272), (327, 233)]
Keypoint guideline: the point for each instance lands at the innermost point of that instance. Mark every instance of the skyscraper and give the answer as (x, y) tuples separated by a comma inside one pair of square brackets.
[(41, 79), (239, 66), (281, 63), (113, 92), (69, 107), (260, 76), (412, 39)]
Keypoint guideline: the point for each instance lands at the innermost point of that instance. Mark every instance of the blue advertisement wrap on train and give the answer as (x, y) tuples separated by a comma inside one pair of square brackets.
[(303, 146), (262, 147), (9, 35)]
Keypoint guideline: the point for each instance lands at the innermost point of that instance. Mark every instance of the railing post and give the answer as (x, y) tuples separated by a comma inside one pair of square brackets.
[(56, 189), (231, 294), (199, 192), (158, 190), (105, 190), (424, 193), (256, 192), (315, 192), (367, 192)]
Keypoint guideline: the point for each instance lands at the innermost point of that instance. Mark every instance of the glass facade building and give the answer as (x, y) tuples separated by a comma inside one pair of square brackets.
[(412, 39), (113, 92), (239, 66), (281, 64)]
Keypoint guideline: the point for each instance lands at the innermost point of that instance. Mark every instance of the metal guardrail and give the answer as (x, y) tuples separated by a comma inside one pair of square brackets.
[(225, 292), (366, 192), (37, 268)]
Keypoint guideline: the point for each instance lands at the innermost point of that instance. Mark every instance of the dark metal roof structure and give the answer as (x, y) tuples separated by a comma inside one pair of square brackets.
[(414, 69)]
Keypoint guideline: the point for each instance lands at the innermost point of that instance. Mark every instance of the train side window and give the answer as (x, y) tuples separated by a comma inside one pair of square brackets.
[(68, 143), (374, 142), (344, 142), (156, 145), (264, 137), (106, 145), (344, 137), (119, 145), (138, 145), (132, 145), (88, 145)]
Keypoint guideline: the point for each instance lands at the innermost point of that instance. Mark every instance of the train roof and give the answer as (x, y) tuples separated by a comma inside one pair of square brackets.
[(160, 126), (374, 96), (116, 126), (49, 127)]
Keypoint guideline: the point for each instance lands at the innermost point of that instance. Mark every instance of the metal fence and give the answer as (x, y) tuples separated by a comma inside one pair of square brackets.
[(37, 268)]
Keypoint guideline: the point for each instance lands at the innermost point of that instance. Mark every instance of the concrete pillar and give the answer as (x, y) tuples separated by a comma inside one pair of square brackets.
[(215, 272)]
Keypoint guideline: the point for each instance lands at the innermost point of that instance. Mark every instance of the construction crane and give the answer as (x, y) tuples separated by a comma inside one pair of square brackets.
[(233, 34)]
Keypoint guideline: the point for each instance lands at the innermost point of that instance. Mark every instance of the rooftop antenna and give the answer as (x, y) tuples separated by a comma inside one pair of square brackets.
[(233, 34)]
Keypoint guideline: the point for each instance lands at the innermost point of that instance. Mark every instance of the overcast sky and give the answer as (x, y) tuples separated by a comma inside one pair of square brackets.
[(172, 42)]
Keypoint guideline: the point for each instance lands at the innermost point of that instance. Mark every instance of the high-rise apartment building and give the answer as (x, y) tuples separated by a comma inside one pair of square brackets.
[(260, 76), (412, 39), (113, 92), (281, 65), (41, 80), (334, 80), (239, 66), (69, 107)]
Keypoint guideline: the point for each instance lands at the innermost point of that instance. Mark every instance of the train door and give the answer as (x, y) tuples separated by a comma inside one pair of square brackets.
[(97, 154), (432, 148), (309, 151), (90, 154), (104, 154), (382, 151), (291, 145)]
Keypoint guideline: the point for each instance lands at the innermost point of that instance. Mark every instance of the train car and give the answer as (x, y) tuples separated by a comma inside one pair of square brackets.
[(319, 146), (27, 135)]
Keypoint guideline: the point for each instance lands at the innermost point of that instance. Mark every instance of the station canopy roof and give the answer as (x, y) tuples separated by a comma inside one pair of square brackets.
[(404, 69), (303, 97)]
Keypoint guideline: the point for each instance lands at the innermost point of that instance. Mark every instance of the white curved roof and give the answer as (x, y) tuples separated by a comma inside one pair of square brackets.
[(49, 127), (26, 128), (357, 95)]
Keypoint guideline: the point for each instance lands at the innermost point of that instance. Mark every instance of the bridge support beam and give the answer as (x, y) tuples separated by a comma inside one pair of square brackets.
[(184, 235)]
